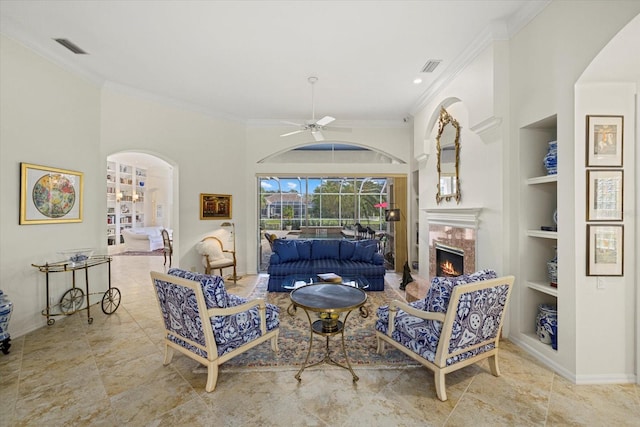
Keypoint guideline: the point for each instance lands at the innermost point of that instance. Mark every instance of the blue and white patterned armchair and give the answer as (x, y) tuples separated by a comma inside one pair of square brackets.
[(457, 324), (206, 323)]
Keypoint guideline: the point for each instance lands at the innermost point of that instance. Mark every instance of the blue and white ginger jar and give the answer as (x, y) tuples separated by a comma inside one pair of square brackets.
[(6, 307), (547, 325), (550, 159)]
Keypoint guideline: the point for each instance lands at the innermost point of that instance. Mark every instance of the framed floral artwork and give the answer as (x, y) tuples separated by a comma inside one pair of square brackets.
[(604, 195), (605, 250), (215, 206), (50, 195), (604, 140)]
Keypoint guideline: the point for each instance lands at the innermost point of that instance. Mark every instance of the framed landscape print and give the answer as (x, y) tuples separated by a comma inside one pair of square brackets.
[(604, 140), (604, 195), (605, 250), (50, 195), (215, 206)]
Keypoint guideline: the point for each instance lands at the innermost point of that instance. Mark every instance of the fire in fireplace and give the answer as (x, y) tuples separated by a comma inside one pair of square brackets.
[(449, 261)]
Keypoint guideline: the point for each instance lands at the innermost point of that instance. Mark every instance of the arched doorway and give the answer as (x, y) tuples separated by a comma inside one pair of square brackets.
[(140, 194)]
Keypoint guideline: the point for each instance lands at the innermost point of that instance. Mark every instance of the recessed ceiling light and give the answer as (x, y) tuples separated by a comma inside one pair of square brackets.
[(417, 81)]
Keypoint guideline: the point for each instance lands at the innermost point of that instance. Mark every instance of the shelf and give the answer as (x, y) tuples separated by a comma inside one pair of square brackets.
[(544, 349), (543, 179), (543, 234), (543, 287)]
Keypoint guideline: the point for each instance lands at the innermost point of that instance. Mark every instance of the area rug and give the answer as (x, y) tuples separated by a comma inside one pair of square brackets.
[(157, 252), (293, 341)]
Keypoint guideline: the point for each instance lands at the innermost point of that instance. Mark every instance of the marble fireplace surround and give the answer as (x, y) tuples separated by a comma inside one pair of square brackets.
[(457, 228)]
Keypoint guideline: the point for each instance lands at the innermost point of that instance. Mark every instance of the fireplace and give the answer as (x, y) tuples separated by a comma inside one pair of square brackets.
[(449, 261)]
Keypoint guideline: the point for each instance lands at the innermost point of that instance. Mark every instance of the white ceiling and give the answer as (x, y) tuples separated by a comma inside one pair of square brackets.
[(250, 60)]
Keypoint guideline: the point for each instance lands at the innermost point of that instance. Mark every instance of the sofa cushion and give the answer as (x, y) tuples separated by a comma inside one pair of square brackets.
[(346, 249), (286, 249), (304, 249), (215, 294), (325, 249), (363, 252)]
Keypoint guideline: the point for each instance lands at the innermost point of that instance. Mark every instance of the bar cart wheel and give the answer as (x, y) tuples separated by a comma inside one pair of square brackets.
[(111, 300), (72, 301), (4, 345), (51, 321)]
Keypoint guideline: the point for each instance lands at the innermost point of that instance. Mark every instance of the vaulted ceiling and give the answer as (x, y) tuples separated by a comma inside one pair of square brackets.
[(250, 60)]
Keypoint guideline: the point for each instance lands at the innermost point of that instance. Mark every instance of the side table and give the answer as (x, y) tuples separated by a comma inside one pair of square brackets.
[(329, 301)]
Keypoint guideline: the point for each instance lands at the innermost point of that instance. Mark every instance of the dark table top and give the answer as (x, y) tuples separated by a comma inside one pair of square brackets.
[(328, 297)]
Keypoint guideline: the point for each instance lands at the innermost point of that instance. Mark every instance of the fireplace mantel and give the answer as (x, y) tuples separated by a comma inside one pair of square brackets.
[(463, 218)]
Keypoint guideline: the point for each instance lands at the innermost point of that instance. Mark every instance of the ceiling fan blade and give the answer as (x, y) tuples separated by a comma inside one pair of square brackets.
[(336, 129), (291, 133), (325, 120), (317, 135), (291, 123)]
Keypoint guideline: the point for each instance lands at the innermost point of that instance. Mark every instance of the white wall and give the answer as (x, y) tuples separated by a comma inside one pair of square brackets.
[(208, 156), (472, 100), (547, 59), (48, 117), (615, 300)]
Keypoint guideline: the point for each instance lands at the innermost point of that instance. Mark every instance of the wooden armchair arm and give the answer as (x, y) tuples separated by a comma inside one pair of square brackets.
[(395, 305)]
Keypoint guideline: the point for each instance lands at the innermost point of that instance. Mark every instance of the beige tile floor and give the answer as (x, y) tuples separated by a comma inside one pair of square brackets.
[(110, 373)]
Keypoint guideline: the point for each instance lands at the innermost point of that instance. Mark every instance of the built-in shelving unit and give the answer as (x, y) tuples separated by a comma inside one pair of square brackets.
[(125, 200), (538, 201)]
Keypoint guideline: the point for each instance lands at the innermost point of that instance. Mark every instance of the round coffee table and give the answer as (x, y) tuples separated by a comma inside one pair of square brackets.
[(330, 301)]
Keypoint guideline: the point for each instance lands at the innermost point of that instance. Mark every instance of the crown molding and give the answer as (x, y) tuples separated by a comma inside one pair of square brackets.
[(488, 129), (498, 30)]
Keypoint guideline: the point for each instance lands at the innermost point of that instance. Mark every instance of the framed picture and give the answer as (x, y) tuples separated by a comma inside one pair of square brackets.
[(215, 206), (605, 250), (604, 140), (50, 195), (604, 195)]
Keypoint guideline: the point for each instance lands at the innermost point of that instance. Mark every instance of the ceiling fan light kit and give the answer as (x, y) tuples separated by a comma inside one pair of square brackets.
[(314, 126)]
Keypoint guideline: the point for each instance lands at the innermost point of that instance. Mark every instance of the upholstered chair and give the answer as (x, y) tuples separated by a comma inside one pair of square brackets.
[(458, 323), (205, 323), (215, 256)]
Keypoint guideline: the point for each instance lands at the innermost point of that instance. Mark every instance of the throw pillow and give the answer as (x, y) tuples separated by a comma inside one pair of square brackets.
[(346, 249), (325, 249), (210, 247), (439, 294), (363, 252), (215, 294), (286, 250)]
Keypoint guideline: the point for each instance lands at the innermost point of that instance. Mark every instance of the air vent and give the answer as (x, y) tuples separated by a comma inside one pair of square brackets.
[(430, 65), (71, 46)]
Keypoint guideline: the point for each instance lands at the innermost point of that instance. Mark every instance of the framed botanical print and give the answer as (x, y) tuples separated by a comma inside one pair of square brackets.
[(215, 206), (605, 250), (50, 195), (604, 195), (604, 140)]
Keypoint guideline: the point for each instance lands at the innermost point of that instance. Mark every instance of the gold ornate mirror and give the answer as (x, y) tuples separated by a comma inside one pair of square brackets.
[(448, 148)]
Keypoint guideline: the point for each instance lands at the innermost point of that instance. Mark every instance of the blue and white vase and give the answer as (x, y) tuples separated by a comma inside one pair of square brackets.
[(6, 307), (547, 324), (550, 159)]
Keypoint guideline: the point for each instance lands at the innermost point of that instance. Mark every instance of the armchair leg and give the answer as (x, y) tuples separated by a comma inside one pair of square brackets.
[(493, 365), (212, 377), (274, 343), (168, 355), (380, 348), (440, 385)]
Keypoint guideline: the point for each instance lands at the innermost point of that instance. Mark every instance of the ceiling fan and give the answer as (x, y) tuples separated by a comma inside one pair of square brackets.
[(313, 125)]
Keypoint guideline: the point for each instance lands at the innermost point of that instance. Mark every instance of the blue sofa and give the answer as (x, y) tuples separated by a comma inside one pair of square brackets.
[(312, 257)]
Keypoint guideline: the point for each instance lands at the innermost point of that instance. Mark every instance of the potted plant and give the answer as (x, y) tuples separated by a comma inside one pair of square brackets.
[(287, 212)]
